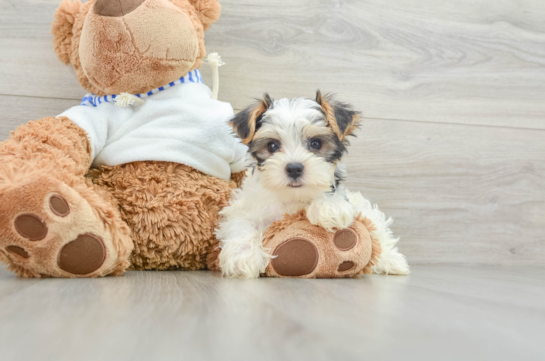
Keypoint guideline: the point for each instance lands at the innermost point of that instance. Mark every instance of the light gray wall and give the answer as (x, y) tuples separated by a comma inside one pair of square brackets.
[(453, 95)]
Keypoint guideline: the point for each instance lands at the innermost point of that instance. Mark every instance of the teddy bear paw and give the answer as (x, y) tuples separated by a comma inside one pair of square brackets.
[(47, 229), (309, 251)]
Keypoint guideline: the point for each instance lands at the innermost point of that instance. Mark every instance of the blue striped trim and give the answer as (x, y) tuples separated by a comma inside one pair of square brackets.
[(193, 76)]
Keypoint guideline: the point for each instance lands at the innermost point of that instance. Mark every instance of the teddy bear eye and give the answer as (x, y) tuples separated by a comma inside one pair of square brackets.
[(316, 144), (273, 147)]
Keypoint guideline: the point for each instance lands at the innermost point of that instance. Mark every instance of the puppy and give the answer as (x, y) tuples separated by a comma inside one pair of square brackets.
[(295, 149)]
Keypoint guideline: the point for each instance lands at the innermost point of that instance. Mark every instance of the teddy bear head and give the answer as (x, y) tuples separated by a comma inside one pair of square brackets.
[(132, 46)]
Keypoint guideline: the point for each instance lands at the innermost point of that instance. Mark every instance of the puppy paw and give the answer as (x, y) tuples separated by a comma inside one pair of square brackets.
[(241, 259), (391, 262), (331, 213)]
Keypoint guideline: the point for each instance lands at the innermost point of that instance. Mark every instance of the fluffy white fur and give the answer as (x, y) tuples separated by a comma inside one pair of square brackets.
[(266, 195)]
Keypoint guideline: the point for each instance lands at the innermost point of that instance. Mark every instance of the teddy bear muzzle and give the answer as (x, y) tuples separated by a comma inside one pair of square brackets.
[(124, 46), (117, 7)]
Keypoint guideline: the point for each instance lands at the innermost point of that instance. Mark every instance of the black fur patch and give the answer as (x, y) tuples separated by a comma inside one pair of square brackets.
[(332, 148), (241, 121), (338, 152), (344, 113), (338, 179), (258, 149)]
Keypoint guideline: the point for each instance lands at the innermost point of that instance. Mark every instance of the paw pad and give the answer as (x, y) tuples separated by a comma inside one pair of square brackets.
[(295, 257), (345, 239), (59, 206), (20, 251), (345, 266), (83, 255), (31, 227)]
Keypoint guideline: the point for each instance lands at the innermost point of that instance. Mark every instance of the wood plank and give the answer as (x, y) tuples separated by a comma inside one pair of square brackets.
[(446, 313), (18, 110), (458, 193), (464, 62), (28, 64)]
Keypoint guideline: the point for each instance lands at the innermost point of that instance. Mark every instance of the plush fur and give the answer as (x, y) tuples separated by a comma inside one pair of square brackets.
[(364, 255), (171, 209), (50, 156), (207, 11), (296, 146), (146, 215), (143, 56)]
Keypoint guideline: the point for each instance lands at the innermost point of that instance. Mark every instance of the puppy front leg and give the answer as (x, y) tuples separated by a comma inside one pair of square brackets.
[(242, 254), (331, 211)]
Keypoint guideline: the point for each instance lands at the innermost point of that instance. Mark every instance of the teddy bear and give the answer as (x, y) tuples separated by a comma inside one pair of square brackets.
[(134, 176)]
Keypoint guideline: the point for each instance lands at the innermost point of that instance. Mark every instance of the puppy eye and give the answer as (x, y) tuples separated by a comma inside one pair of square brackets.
[(316, 143), (273, 147)]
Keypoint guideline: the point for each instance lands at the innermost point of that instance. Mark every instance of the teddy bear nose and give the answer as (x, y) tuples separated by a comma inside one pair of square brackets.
[(116, 8)]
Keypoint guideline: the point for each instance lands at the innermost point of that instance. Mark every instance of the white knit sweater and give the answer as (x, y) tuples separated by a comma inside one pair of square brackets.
[(177, 123)]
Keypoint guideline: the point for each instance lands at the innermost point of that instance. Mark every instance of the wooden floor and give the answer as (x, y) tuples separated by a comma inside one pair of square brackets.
[(436, 313), (452, 147)]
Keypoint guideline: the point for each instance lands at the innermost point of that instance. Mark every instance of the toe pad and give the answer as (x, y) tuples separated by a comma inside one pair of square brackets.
[(83, 255), (31, 227), (59, 206), (20, 251), (345, 239), (346, 266), (295, 257)]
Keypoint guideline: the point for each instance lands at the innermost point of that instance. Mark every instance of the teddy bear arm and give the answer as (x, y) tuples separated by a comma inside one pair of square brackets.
[(55, 143)]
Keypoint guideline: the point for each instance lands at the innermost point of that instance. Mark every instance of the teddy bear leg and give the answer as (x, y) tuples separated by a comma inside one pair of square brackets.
[(171, 209), (51, 223), (304, 250)]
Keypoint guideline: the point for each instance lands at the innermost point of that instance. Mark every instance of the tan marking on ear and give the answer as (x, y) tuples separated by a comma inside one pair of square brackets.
[(330, 115), (353, 125), (260, 109)]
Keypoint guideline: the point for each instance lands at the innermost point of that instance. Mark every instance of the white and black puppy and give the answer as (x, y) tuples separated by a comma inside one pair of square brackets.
[(295, 149)]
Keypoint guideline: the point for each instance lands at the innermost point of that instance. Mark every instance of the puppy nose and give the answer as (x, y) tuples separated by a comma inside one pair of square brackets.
[(294, 170)]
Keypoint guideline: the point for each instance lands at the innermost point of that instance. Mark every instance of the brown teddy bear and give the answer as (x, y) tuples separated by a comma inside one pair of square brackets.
[(134, 176)]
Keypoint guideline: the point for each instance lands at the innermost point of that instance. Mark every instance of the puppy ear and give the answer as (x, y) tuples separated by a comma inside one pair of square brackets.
[(62, 28), (247, 122), (208, 11), (342, 118)]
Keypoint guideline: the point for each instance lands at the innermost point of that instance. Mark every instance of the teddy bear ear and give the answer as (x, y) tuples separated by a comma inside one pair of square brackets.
[(62, 27), (207, 10)]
